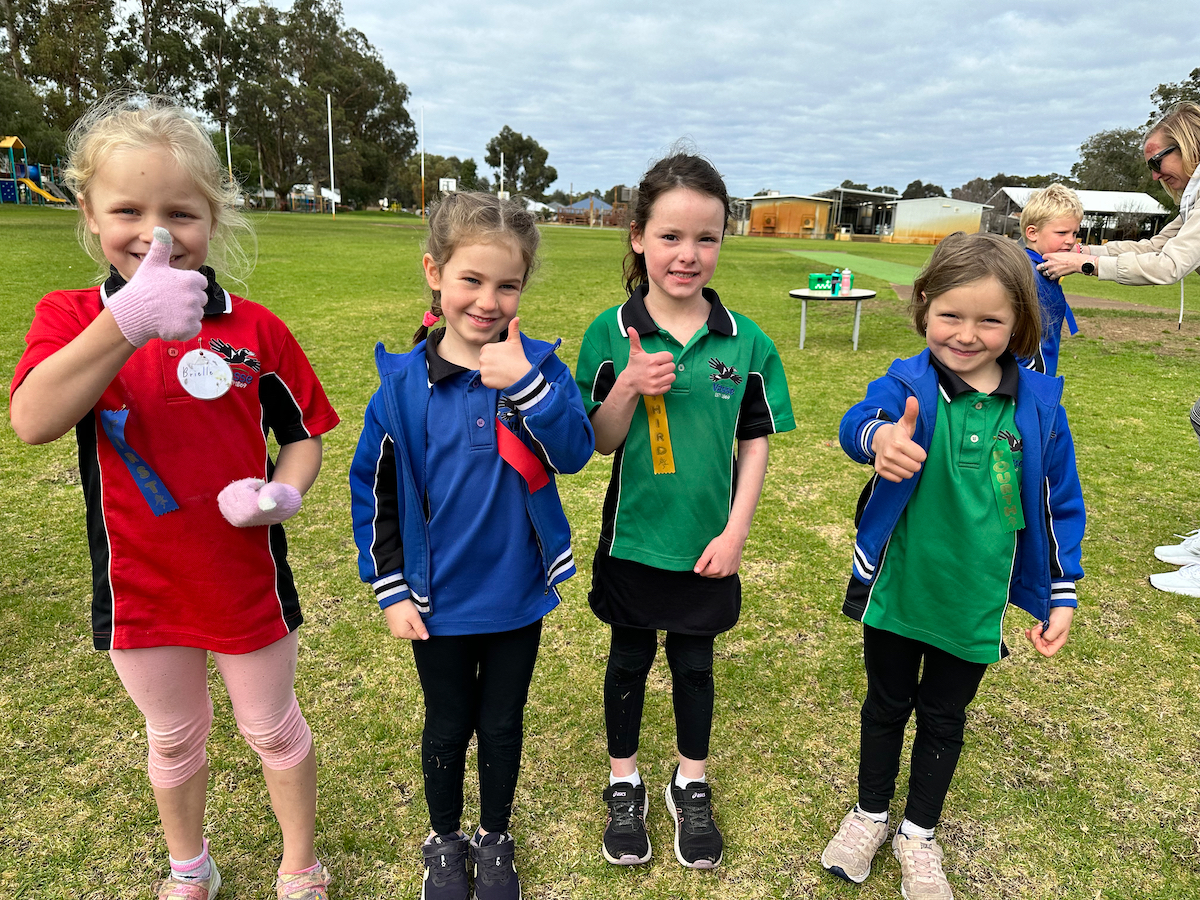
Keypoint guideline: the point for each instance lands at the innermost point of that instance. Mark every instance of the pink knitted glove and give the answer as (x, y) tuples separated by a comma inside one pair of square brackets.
[(158, 301), (251, 501)]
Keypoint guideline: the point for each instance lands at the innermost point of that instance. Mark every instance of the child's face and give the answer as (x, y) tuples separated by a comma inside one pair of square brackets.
[(681, 242), (135, 190), (968, 328), (1056, 236), (481, 290)]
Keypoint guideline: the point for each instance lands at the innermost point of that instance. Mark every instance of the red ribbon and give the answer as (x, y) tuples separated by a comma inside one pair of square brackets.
[(521, 458)]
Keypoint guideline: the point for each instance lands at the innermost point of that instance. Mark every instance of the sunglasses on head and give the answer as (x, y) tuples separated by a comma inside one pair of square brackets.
[(1155, 162)]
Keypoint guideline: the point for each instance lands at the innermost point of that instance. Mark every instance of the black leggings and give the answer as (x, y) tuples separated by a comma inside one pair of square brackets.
[(940, 696), (474, 684), (630, 657)]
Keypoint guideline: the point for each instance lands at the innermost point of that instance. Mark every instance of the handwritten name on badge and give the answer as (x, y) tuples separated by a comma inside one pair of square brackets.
[(204, 375)]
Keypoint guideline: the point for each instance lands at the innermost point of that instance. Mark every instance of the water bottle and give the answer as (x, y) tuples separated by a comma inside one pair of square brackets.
[(847, 280), (836, 283)]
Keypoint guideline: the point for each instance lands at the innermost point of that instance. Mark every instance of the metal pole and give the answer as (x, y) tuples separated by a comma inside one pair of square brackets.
[(228, 152), (329, 110), (502, 173), (422, 164)]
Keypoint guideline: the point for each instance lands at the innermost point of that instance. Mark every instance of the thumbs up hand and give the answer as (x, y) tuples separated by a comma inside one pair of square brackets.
[(503, 363), (158, 301), (648, 373), (897, 455)]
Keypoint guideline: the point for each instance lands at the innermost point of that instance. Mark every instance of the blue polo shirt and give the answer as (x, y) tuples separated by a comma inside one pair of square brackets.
[(486, 570)]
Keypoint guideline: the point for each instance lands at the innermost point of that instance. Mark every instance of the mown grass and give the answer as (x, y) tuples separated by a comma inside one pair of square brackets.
[(1079, 778)]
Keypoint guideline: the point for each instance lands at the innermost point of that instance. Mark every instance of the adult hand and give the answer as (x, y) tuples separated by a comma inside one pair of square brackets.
[(1050, 642), (504, 363), (158, 301), (897, 455), (722, 556), (1058, 265), (405, 622), (250, 502), (650, 374)]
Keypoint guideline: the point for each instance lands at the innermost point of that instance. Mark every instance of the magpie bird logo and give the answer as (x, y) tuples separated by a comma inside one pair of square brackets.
[(1015, 444), (242, 357), (723, 372)]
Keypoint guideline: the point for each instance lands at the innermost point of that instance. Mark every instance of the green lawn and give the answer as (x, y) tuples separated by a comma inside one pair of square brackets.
[(1081, 775)]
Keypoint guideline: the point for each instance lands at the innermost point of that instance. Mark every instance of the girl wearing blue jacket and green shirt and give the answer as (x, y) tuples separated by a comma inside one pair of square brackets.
[(459, 526), (975, 504)]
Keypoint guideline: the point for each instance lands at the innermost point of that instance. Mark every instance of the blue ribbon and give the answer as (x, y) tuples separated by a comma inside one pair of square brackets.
[(157, 496)]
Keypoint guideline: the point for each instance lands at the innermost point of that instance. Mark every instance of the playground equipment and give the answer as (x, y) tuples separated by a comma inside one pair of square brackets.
[(21, 182)]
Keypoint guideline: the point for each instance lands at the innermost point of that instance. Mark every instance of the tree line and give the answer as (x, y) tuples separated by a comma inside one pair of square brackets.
[(261, 71)]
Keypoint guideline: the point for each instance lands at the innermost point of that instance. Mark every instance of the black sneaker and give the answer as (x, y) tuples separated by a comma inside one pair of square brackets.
[(495, 871), (445, 867), (625, 840), (698, 842)]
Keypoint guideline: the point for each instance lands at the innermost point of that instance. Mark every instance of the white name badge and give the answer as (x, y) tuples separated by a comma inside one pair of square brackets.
[(204, 375)]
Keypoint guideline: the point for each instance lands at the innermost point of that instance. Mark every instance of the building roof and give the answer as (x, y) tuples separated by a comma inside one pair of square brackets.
[(881, 195), (765, 197), (941, 201), (588, 203), (1108, 202)]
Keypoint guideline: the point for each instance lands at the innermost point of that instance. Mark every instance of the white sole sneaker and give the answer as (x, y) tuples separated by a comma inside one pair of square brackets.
[(1186, 581)]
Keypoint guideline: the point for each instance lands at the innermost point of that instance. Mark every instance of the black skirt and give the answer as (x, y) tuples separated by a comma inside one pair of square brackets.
[(639, 596)]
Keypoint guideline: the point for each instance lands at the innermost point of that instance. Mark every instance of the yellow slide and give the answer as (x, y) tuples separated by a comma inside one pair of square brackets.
[(37, 190)]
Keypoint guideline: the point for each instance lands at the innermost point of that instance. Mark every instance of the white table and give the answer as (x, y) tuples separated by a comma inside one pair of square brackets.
[(858, 295)]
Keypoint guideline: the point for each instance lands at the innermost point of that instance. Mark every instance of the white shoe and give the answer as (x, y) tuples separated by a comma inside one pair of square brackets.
[(1184, 554), (1185, 581)]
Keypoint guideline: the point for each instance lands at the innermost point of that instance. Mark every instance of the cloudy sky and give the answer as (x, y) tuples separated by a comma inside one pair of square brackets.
[(782, 94)]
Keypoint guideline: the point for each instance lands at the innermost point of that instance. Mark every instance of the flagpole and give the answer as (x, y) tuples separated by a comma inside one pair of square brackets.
[(329, 110), (422, 163)]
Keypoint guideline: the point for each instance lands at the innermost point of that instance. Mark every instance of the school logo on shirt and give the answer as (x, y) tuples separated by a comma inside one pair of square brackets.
[(243, 356), (723, 373), (1015, 444)]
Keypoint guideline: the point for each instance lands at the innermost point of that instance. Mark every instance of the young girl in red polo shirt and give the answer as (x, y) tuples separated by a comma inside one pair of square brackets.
[(172, 384)]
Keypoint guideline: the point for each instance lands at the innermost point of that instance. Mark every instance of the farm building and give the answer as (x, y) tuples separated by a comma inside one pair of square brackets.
[(858, 212), (1108, 215), (927, 220), (788, 215)]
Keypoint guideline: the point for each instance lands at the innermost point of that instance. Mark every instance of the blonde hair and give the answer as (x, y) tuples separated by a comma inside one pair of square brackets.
[(475, 217), (1181, 126), (119, 122), (961, 259), (1054, 202)]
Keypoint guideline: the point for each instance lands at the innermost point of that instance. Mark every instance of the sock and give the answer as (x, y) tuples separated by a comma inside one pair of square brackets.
[(681, 782), (198, 869), (635, 779), (492, 837), (910, 830), (447, 837), (874, 817)]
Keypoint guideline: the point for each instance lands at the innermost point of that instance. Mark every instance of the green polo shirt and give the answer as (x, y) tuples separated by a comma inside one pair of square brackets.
[(944, 578), (673, 479)]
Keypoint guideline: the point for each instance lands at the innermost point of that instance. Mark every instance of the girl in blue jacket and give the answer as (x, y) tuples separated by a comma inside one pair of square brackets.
[(975, 505), (458, 522)]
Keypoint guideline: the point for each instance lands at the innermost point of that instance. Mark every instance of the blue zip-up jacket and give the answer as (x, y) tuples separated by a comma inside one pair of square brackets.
[(1054, 311), (389, 503), (1047, 563)]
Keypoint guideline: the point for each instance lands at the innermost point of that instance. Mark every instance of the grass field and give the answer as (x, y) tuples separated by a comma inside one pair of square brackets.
[(1081, 774)]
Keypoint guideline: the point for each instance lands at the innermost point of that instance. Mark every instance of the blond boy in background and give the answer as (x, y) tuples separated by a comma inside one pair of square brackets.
[(1050, 224)]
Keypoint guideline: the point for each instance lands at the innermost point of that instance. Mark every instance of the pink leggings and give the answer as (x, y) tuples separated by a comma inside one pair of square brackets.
[(170, 687)]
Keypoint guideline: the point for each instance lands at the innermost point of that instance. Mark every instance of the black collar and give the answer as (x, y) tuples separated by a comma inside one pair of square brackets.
[(633, 314), (439, 368), (218, 298), (952, 385)]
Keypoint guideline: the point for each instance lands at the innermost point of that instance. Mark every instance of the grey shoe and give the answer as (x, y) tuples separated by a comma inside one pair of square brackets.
[(849, 853), (921, 875)]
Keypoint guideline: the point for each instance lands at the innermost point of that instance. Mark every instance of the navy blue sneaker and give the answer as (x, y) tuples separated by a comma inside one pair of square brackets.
[(445, 867), (698, 842), (495, 871)]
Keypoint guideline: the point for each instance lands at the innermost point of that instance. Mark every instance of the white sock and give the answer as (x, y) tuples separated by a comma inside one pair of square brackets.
[(635, 779), (681, 782), (909, 830), (197, 869), (874, 817)]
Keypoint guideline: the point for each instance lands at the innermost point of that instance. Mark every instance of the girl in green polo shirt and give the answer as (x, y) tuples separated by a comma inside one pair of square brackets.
[(975, 505), (684, 393)]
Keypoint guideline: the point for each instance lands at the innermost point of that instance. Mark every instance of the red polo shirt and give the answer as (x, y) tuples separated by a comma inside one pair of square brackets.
[(186, 577)]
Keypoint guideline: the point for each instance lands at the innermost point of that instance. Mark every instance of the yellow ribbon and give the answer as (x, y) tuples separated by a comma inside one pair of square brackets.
[(660, 435)]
